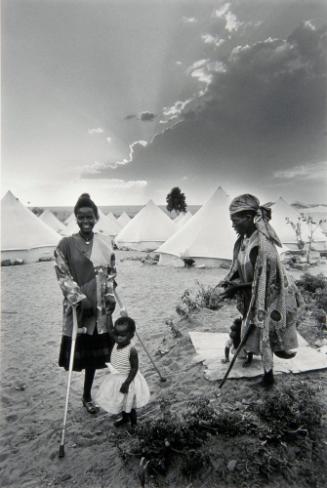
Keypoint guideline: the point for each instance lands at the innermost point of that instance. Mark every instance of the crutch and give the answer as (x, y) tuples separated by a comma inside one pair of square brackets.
[(122, 308), (61, 453)]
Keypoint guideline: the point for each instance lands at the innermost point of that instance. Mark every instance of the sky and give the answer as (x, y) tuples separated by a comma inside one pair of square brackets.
[(126, 99)]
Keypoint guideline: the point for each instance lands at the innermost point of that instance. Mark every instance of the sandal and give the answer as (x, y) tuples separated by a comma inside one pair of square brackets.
[(90, 406)]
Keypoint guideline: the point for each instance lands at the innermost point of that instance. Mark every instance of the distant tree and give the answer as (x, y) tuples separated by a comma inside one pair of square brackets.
[(37, 211), (311, 227), (176, 201)]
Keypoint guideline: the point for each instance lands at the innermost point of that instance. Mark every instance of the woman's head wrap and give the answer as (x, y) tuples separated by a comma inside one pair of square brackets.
[(85, 201), (262, 215)]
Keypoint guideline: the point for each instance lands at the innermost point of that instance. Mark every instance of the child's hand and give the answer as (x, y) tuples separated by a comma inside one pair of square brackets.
[(124, 388)]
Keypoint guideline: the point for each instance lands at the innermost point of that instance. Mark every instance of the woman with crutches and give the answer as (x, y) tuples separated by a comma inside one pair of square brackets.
[(85, 266)]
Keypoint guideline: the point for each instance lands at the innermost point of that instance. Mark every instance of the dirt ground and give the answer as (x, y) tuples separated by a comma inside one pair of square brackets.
[(33, 386)]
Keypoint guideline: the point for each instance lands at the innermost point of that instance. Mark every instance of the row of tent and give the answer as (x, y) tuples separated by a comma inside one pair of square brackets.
[(205, 237)]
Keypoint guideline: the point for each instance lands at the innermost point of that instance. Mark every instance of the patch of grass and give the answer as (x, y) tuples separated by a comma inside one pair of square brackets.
[(196, 299), (314, 289), (312, 283), (291, 411), (274, 438)]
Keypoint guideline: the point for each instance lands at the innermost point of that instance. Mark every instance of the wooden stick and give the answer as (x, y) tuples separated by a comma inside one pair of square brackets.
[(122, 308)]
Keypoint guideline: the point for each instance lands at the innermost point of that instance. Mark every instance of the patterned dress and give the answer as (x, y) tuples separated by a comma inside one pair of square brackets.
[(272, 301), (109, 396), (86, 270)]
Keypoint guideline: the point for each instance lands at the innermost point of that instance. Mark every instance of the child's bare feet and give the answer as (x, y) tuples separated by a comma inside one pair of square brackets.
[(225, 360)]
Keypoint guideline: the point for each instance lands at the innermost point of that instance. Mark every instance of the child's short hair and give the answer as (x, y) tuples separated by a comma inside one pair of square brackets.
[(128, 321)]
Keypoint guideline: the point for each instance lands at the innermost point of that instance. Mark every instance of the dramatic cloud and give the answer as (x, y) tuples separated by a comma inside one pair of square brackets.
[(222, 11), (265, 105), (147, 116), (231, 22), (204, 68), (98, 130), (143, 116), (216, 41), (173, 112), (97, 168)]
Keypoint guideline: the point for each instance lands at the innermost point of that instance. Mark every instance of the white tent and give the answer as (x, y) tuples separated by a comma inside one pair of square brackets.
[(123, 219), (52, 221), (23, 234), (147, 230), (115, 226), (318, 214), (281, 213), (182, 218), (70, 219), (323, 226), (207, 238), (106, 225)]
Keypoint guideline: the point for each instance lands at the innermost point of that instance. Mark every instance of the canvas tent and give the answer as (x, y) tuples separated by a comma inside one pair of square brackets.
[(207, 237), (70, 219), (52, 221), (23, 234), (182, 218), (123, 219), (318, 214), (106, 225), (147, 230), (281, 212), (323, 226), (115, 226)]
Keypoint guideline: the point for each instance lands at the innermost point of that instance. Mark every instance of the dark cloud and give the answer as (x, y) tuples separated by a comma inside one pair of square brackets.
[(147, 116), (264, 112), (143, 116)]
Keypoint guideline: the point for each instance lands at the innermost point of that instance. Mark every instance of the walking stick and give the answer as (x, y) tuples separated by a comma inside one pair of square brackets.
[(245, 337), (61, 453), (122, 308), (243, 341)]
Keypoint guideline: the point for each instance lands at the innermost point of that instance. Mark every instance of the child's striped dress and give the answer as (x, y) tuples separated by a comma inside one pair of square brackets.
[(109, 397)]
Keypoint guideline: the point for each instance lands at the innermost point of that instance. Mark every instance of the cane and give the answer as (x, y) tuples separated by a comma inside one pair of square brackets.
[(122, 308), (243, 341), (71, 361), (248, 330)]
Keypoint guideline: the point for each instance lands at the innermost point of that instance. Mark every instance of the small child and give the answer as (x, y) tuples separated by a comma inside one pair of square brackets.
[(234, 341), (124, 389)]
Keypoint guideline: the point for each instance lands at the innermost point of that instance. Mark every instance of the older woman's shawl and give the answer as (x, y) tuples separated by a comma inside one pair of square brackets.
[(275, 296), (81, 276)]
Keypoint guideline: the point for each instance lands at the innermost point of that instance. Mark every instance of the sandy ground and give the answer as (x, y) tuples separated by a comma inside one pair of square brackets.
[(33, 386)]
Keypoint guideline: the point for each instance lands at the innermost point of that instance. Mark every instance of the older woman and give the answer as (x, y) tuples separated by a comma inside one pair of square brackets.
[(85, 266), (267, 299)]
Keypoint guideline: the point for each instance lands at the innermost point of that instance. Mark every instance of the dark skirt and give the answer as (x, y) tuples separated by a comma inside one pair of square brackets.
[(91, 351)]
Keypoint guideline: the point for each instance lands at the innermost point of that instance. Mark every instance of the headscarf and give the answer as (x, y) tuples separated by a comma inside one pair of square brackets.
[(262, 215), (85, 201)]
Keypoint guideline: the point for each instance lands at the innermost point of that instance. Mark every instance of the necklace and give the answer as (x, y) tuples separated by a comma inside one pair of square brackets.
[(87, 241)]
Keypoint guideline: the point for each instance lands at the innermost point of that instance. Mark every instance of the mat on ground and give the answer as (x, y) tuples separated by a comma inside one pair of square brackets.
[(210, 347)]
